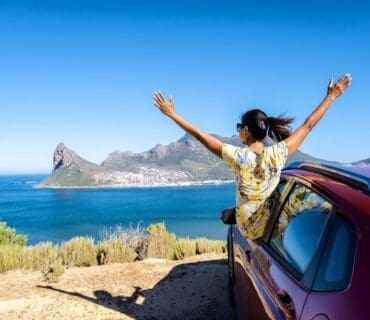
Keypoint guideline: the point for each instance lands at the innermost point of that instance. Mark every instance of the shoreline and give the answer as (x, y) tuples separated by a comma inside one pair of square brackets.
[(129, 186)]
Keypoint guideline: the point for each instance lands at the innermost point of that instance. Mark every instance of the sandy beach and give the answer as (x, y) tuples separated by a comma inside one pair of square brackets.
[(194, 288)]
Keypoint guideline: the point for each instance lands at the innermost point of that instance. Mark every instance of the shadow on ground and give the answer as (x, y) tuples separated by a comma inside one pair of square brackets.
[(189, 291)]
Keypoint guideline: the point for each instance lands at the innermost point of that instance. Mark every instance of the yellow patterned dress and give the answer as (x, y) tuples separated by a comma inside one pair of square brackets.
[(257, 176)]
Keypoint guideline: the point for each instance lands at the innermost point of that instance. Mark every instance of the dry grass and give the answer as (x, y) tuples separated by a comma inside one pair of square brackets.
[(184, 248), (10, 257), (204, 245), (161, 243), (130, 236), (78, 252), (117, 244), (115, 250)]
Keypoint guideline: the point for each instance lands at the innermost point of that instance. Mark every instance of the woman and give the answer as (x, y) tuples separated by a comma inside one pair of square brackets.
[(257, 167)]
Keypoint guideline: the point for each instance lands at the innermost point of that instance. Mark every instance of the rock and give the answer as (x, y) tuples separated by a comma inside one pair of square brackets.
[(63, 157)]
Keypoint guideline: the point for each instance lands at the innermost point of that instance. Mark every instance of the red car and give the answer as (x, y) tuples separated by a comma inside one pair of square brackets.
[(313, 262)]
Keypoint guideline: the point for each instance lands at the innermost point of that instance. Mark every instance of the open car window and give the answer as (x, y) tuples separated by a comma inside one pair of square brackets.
[(298, 229)]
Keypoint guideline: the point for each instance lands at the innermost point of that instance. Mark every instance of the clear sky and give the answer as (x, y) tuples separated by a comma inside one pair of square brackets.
[(83, 73)]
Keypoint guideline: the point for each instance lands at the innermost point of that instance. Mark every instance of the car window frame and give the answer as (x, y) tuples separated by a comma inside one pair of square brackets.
[(307, 278)]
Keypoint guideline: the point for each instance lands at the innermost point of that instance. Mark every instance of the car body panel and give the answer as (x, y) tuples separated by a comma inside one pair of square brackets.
[(259, 276)]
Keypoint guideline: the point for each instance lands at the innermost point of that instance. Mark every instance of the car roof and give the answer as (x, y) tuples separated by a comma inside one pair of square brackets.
[(349, 186), (355, 176)]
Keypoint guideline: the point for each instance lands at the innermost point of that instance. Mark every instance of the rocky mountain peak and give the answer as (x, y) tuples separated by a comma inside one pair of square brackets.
[(189, 141), (159, 151), (63, 157)]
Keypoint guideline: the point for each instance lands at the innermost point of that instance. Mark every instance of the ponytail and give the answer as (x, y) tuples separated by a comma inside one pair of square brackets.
[(261, 126), (279, 127)]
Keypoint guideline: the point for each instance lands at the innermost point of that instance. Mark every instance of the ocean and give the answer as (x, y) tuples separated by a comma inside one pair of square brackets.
[(57, 215)]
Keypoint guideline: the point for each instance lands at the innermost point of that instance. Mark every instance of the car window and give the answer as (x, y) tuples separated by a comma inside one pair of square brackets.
[(335, 268), (298, 229), (267, 207)]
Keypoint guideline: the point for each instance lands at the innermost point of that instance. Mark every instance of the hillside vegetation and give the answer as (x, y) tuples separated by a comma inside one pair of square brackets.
[(118, 245)]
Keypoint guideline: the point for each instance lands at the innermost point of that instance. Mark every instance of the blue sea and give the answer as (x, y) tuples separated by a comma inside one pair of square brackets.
[(59, 214)]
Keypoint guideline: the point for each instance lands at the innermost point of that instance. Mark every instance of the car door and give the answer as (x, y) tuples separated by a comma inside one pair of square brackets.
[(246, 286), (281, 267)]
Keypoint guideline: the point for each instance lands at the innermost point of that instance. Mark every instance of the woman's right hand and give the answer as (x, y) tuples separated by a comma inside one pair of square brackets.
[(336, 89), (166, 106)]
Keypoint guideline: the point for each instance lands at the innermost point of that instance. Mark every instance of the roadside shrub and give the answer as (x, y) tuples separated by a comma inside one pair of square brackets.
[(160, 242), (131, 235), (9, 236), (54, 271), (204, 245), (115, 250), (10, 257), (43, 257), (184, 248), (78, 252), (39, 257)]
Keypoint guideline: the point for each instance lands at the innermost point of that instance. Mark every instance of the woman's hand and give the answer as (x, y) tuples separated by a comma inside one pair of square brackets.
[(166, 106), (335, 90)]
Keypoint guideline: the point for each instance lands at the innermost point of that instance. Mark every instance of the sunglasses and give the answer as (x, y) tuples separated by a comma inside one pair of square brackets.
[(239, 126)]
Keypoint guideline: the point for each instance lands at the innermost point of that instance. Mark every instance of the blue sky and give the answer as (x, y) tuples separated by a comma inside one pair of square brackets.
[(83, 73)]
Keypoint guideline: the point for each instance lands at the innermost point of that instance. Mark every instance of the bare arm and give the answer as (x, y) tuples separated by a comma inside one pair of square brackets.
[(167, 107), (334, 91)]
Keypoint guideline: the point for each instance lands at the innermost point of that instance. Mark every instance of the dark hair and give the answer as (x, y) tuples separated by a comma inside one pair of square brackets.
[(259, 125)]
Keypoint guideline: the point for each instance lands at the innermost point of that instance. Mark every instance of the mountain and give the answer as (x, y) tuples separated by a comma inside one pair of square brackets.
[(183, 161), (362, 162), (69, 169)]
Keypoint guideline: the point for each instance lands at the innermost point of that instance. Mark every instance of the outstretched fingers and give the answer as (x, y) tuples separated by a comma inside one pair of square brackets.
[(344, 82), (346, 79), (159, 97)]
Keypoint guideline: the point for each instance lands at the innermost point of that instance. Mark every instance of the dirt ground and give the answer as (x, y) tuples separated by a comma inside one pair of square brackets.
[(195, 288)]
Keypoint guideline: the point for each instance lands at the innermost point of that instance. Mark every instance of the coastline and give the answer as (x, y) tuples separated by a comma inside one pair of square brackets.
[(153, 185)]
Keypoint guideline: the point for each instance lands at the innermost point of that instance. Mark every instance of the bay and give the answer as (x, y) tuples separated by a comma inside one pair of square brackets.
[(59, 214)]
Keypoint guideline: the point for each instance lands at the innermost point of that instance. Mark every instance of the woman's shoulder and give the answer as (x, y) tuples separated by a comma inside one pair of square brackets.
[(235, 154), (278, 152)]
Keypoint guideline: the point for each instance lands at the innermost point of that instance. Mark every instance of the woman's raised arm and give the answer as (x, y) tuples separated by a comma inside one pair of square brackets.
[(167, 108), (334, 91)]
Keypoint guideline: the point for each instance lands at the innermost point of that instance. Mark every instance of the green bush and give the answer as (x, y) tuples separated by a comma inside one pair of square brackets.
[(78, 252), (204, 245), (115, 250), (184, 248), (160, 242), (10, 257), (8, 236)]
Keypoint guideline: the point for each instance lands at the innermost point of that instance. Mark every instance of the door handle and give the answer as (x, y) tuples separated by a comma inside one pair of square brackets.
[(285, 304)]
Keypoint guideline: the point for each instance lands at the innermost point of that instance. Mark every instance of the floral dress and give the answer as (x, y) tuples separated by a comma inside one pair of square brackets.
[(257, 176)]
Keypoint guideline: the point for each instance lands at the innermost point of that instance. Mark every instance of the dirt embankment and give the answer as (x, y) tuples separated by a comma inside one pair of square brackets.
[(195, 288)]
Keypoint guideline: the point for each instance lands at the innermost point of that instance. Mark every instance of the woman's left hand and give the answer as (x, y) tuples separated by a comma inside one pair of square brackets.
[(166, 106), (336, 89)]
